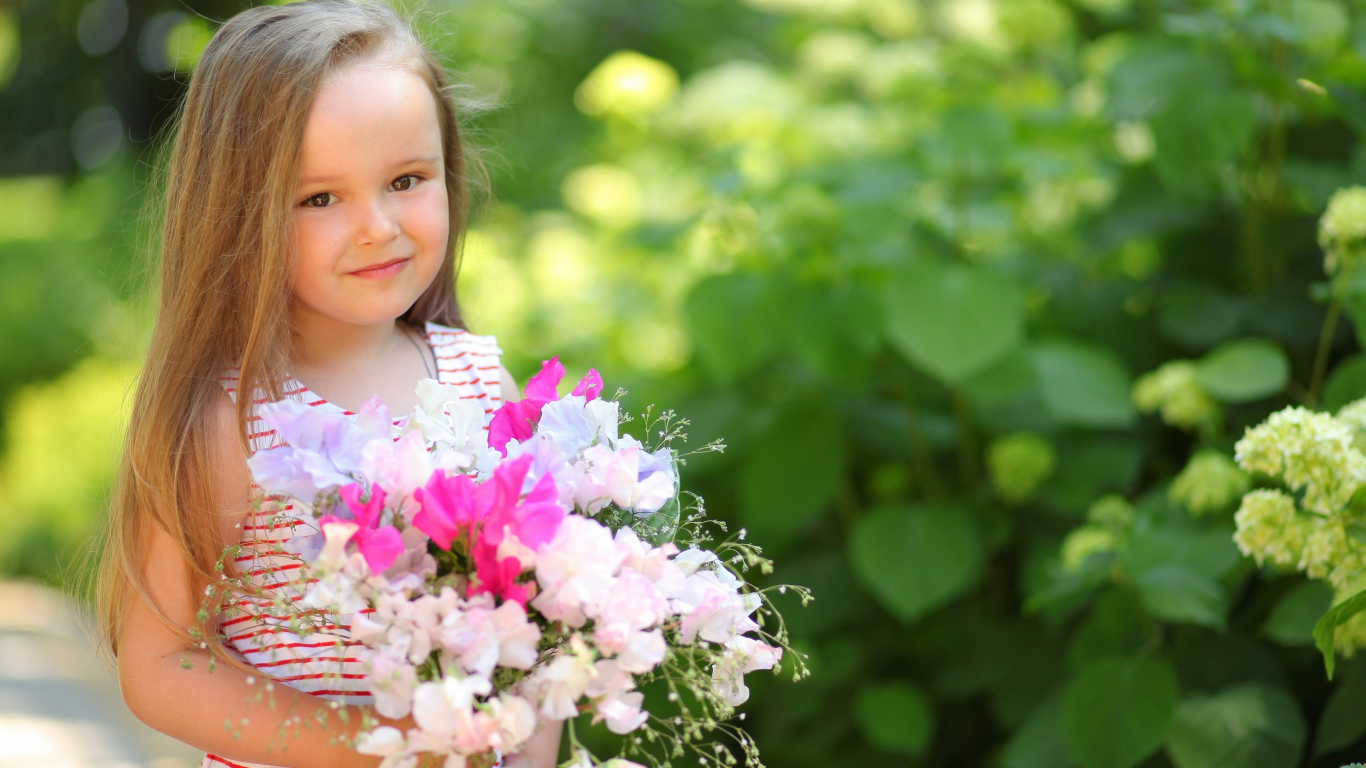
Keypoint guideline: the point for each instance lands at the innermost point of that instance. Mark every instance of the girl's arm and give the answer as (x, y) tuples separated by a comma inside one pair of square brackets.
[(194, 704), (542, 750)]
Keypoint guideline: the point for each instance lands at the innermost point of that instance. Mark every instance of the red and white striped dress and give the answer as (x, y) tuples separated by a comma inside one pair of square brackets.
[(324, 666)]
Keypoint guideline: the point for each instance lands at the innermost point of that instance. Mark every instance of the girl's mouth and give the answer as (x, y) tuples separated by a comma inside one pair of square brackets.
[(382, 271)]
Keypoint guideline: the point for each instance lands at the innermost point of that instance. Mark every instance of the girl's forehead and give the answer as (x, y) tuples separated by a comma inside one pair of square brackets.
[(370, 114)]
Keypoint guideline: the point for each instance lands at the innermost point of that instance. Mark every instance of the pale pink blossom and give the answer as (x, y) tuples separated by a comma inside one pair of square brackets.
[(392, 682), (575, 570), (642, 652), (713, 608), (630, 605)]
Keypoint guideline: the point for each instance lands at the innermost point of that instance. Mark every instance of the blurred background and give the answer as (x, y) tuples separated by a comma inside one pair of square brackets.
[(979, 293)]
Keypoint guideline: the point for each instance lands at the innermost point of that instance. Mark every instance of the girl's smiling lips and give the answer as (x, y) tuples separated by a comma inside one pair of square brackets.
[(383, 270)]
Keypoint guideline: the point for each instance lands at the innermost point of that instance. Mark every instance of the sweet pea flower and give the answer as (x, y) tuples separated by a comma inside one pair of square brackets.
[(642, 652), (617, 476), (561, 683), (575, 570), (575, 423), (400, 468), (392, 682), (630, 605), (321, 450), (517, 420), (713, 608), (481, 637), (616, 703), (742, 656), (380, 545)]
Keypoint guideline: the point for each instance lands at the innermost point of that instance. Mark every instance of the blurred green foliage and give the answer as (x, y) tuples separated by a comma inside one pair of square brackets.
[(979, 292)]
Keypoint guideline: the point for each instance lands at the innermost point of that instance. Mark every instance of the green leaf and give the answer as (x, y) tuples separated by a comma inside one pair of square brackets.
[(952, 321), (1251, 726), (1117, 711), (1292, 620), (916, 558), (1174, 592), (1341, 723), (1083, 384), (1346, 384), (1327, 628), (1038, 743), (1244, 370), (1199, 134), (731, 321), (791, 473), (1197, 314), (1210, 552), (896, 717)]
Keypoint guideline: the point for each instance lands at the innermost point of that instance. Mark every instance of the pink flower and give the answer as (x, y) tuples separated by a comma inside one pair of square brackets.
[(517, 420), (488, 515), (379, 545)]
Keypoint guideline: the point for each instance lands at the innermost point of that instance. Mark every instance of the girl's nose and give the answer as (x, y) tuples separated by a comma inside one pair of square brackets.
[(376, 222)]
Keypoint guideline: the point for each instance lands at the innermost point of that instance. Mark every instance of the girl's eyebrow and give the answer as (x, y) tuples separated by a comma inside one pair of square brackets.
[(304, 182)]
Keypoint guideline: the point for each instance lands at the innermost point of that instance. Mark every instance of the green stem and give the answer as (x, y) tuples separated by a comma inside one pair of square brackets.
[(1330, 326), (967, 444), (922, 458)]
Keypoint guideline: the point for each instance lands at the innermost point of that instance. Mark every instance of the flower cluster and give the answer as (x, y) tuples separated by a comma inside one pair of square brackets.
[(1174, 390), (1342, 230), (1318, 457), (1209, 483), (1019, 463), (494, 581)]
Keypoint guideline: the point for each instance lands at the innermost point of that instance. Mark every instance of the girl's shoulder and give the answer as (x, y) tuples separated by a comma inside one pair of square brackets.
[(448, 340)]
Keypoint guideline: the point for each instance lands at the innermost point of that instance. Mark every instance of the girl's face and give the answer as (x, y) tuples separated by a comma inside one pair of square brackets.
[(371, 220)]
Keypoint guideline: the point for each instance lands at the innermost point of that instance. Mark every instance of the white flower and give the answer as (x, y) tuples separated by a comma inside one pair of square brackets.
[(446, 420), (445, 716), (516, 721), (560, 684), (689, 560), (743, 655), (574, 425), (381, 742)]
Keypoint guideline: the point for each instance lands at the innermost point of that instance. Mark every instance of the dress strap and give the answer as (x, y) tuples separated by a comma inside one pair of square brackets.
[(469, 362)]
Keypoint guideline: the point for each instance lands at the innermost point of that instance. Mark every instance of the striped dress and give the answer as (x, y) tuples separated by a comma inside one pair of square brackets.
[(324, 665)]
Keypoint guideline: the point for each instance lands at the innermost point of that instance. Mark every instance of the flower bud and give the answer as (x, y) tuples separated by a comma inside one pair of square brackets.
[(1174, 391), (1210, 482), (1018, 463)]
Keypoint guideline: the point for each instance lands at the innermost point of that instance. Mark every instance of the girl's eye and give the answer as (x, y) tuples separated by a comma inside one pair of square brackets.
[(320, 200), (403, 183)]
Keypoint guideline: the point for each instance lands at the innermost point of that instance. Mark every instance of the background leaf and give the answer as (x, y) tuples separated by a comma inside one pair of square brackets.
[(1244, 370), (896, 717), (792, 472), (915, 558), (1083, 384), (1250, 726), (952, 321), (1117, 711)]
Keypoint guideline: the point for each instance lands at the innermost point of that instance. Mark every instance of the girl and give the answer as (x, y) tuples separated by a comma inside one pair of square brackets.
[(315, 203)]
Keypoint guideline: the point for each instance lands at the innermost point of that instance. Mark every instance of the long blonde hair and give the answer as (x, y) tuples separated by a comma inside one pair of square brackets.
[(226, 264)]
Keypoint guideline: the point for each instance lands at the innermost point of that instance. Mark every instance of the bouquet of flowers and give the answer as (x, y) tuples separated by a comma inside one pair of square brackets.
[(548, 565)]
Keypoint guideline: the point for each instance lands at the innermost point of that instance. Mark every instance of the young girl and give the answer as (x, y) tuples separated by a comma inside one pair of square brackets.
[(315, 205)]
